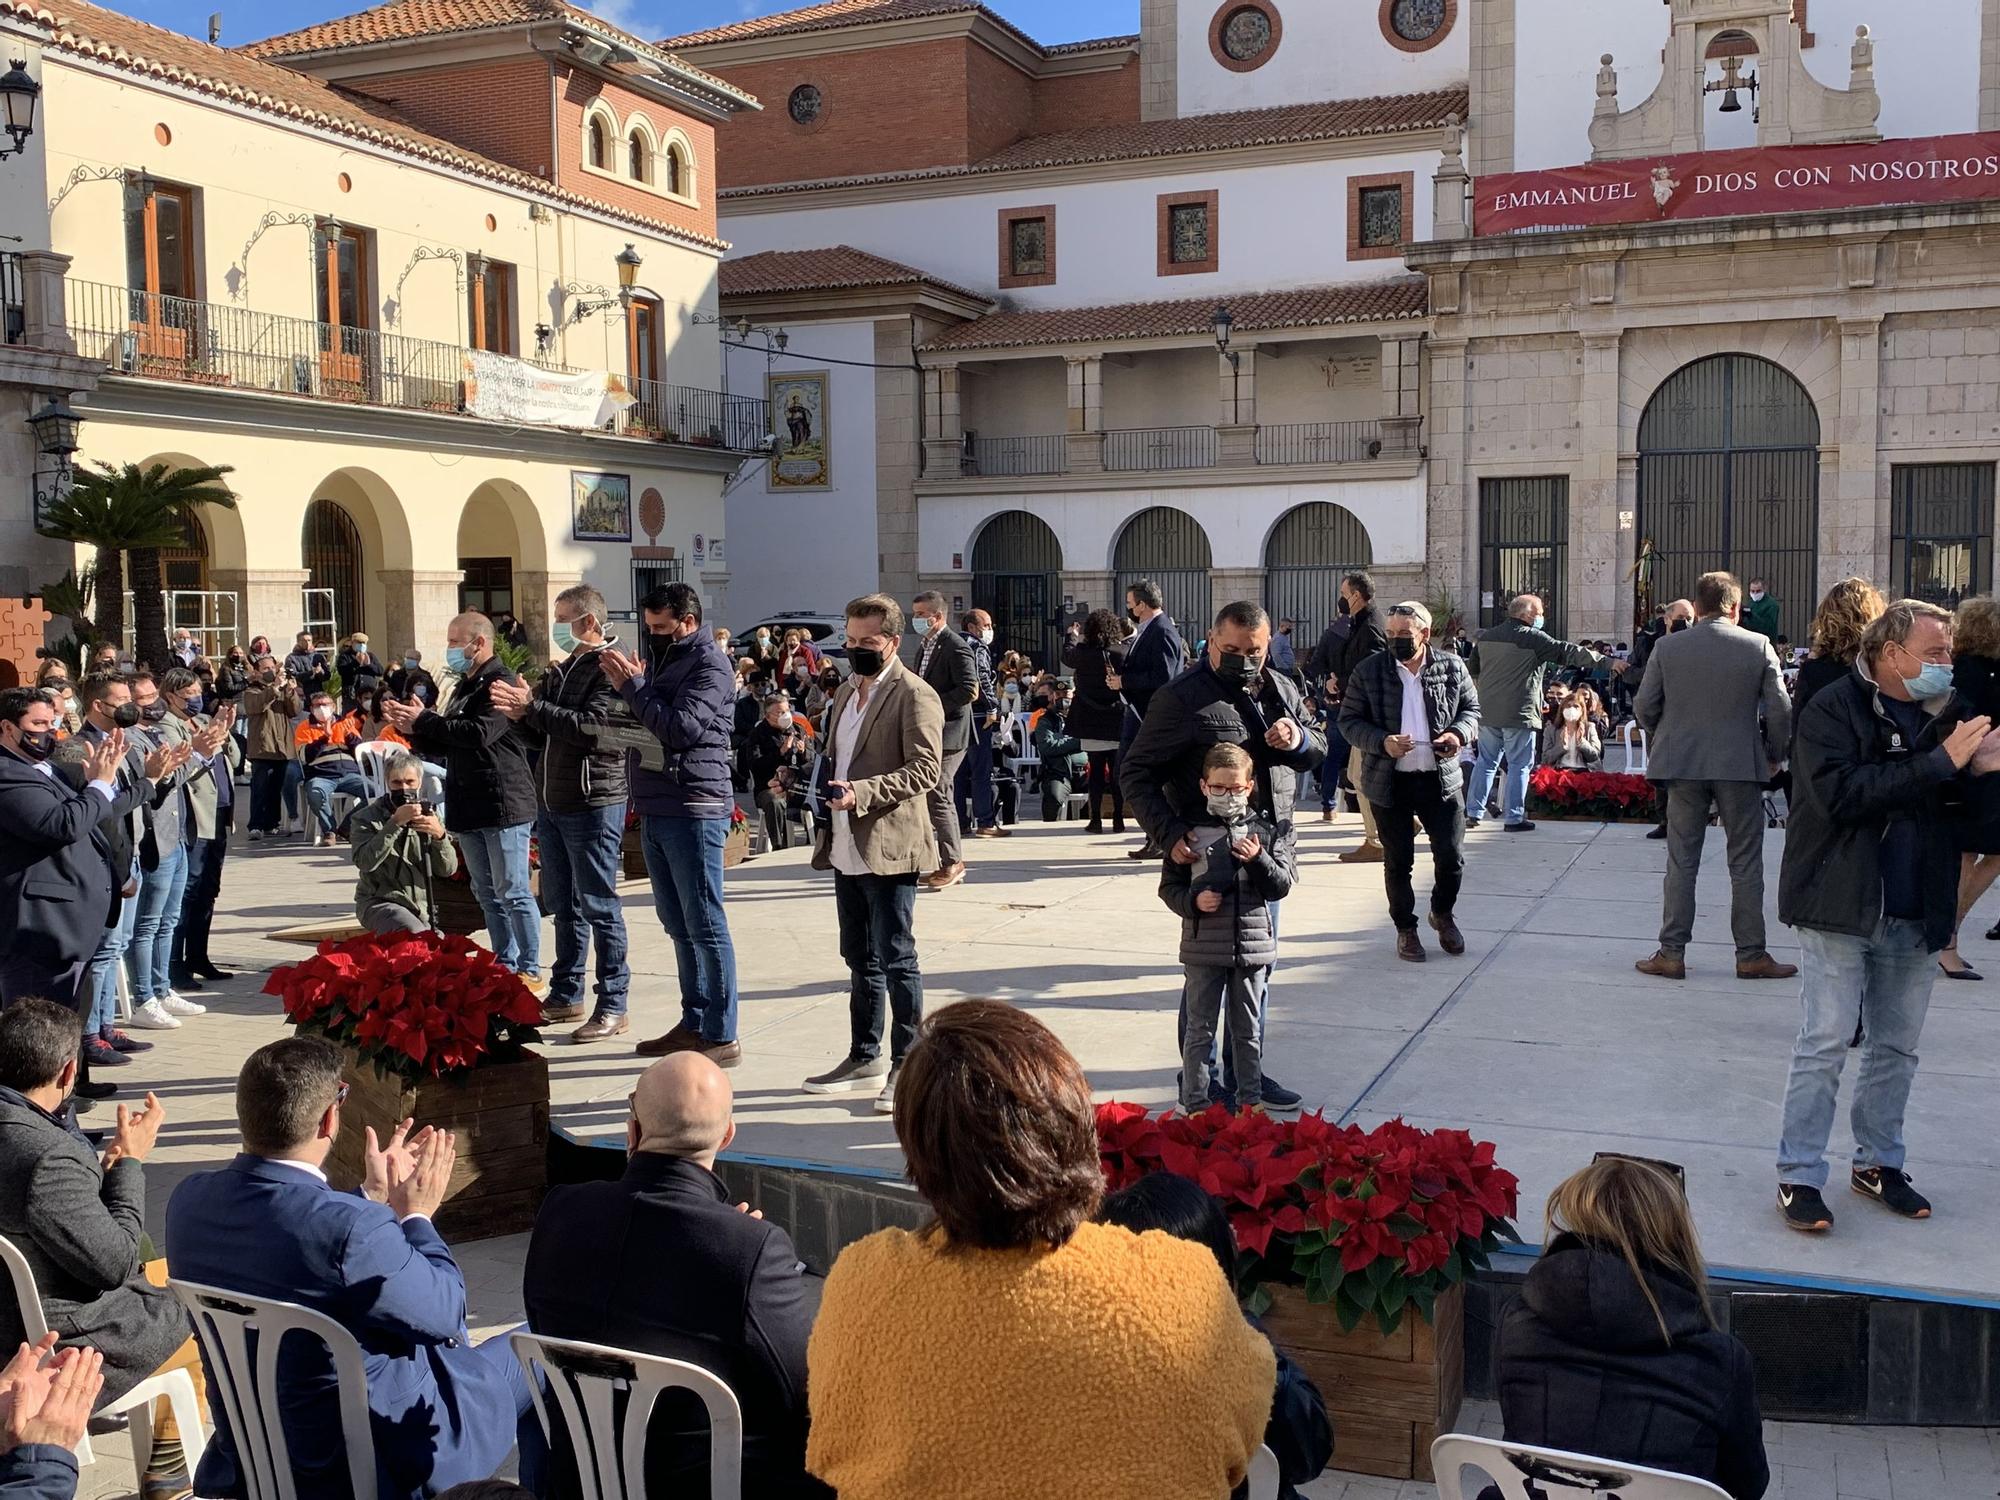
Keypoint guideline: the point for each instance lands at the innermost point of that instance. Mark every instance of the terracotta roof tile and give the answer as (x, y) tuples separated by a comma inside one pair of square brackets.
[(1284, 124), (831, 269), (86, 30), (1309, 307), (1093, 44), (835, 14), (400, 20)]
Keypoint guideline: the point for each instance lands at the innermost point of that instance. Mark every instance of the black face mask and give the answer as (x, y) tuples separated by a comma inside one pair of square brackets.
[(1133, 616), (1677, 626), (38, 744), (658, 649), (1239, 670), (1405, 647), (152, 713), (125, 715), (866, 660)]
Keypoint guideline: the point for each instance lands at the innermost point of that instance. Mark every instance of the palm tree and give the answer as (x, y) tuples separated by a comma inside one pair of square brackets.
[(123, 510)]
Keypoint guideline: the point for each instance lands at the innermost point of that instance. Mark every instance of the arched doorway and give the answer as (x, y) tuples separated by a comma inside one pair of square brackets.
[(1017, 579), (330, 552), (1728, 479), (1309, 551), (1169, 547)]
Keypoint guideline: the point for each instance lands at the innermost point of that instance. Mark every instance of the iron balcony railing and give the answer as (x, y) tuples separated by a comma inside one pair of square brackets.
[(1160, 448), (1318, 442), (13, 300), (205, 343), (1015, 455)]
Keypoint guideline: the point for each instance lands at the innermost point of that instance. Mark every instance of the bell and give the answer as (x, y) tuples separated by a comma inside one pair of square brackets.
[(1730, 105)]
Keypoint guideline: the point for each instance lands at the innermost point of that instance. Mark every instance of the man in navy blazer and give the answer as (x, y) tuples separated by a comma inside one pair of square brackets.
[(269, 1225), (1153, 658), (662, 1262), (55, 867)]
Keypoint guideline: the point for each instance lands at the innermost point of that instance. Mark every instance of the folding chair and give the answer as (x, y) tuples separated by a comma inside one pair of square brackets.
[(1520, 1472)]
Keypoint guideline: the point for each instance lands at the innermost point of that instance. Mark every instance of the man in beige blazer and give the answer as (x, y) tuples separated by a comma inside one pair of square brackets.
[(883, 751)]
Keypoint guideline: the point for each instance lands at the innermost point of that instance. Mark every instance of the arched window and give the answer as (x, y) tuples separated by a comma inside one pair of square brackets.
[(600, 146), (676, 171), (639, 153)]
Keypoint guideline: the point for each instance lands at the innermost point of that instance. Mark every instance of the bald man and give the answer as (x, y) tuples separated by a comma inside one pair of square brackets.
[(491, 787), (663, 1261)]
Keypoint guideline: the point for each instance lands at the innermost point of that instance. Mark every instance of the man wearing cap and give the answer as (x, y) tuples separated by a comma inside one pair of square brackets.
[(1409, 711)]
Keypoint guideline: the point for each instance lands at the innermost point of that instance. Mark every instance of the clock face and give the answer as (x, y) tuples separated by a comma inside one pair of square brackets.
[(805, 104), (1417, 20), (1246, 35)]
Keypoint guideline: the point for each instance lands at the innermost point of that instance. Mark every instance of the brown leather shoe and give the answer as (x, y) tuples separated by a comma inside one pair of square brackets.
[(1763, 966), (1449, 937), (1370, 853), (995, 832), (555, 1015), (1662, 966), (597, 1028), (1326, 815), (1409, 946), (722, 1054), (680, 1039), (944, 878)]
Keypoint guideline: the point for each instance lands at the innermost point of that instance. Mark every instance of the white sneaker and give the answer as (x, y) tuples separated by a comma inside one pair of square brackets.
[(174, 1003), (152, 1016), (885, 1102)]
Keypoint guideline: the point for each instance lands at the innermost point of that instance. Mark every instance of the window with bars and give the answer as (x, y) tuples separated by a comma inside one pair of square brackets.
[(1523, 545), (1187, 233), (655, 572), (1028, 247), (1381, 216), (1941, 542)]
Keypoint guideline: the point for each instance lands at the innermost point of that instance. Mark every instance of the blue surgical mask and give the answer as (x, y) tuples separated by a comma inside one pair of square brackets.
[(1932, 682), (1536, 623), (921, 624), (458, 659), (562, 637)]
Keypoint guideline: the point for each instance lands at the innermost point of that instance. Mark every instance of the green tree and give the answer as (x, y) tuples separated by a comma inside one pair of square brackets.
[(129, 514)]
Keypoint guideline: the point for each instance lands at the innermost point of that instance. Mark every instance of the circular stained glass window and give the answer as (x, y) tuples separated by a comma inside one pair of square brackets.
[(1246, 34), (805, 104), (1417, 20)]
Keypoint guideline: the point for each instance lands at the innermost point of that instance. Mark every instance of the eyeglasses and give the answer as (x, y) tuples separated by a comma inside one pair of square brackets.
[(1409, 611)]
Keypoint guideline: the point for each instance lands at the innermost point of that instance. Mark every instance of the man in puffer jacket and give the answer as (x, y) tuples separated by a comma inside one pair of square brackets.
[(685, 693), (1223, 898)]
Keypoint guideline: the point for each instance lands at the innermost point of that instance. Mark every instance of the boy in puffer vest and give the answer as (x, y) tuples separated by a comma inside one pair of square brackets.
[(1227, 945)]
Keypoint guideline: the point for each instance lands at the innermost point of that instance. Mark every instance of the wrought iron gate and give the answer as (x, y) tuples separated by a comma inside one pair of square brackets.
[(1169, 547), (1523, 545), (1310, 550), (1729, 479), (331, 553), (1017, 579), (1941, 531)]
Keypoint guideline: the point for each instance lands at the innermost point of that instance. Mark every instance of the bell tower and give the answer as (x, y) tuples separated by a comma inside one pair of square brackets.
[(1793, 107)]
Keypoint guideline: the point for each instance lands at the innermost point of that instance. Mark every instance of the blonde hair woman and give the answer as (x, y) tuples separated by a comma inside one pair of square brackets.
[(1611, 1349), (1848, 609), (1975, 679)]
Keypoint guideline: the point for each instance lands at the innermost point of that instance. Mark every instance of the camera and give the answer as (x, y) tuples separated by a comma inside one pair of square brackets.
[(402, 797)]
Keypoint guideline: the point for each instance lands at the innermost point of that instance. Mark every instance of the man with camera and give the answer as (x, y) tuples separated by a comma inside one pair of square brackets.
[(400, 850), (780, 755)]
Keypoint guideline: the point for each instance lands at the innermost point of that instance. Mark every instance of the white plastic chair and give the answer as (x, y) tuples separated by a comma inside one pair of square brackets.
[(372, 756), (1510, 1467), (1625, 735), (176, 1385), (1263, 1475), (247, 1382), (585, 1380)]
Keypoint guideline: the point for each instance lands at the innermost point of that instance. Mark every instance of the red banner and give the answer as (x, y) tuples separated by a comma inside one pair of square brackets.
[(1755, 180)]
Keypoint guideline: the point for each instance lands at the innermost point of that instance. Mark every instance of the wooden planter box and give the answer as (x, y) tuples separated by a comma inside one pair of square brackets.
[(1389, 1396), (736, 848), (459, 911), (632, 853), (500, 1114)]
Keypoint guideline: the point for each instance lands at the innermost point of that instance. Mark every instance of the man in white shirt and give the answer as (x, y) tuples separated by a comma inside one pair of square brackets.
[(1410, 710), (883, 755)]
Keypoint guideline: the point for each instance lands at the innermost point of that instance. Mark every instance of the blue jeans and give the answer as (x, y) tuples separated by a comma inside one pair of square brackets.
[(321, 790), (975, 777), (684, 858), (580, 852), (104, 967), (1226, 1089), (1329, 770), (496, 859), (159, 906), (878, 940), (1517, 743), (1884, 981)]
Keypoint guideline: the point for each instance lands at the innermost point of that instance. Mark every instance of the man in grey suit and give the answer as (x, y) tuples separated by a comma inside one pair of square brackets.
[(945, 661), (1700, 704)]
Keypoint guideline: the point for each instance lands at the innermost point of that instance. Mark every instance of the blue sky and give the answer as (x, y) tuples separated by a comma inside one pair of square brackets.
[(242, 21)]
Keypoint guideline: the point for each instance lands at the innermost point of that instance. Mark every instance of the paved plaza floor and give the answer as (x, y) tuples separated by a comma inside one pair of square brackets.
[(1540, 1038)]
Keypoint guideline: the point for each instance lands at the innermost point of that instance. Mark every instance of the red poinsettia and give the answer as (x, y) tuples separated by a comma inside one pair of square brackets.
[(1590, 794), (415, 1004), (1372, 1221)]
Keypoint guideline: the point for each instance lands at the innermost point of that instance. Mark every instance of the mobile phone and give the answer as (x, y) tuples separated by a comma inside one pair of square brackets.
[(428, 809), (1673, 1169)]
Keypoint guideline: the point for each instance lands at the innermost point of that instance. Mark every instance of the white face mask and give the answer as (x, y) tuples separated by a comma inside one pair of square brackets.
[(1572, 714), (985, 637), (1230, 806), (323, 713), (1756, 595)]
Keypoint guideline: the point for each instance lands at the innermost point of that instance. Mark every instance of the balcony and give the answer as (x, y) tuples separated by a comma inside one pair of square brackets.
[(1014, 455), (208, 344), (1184, 449), (1318, 442), (1156, 448)]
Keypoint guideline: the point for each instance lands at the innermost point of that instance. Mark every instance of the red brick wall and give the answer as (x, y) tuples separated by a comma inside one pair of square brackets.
[(575, 91), (22, 628), (1072, 101), (999, 102), (489, 107)]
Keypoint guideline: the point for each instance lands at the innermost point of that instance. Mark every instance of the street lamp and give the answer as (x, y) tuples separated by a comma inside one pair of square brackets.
[(19, 92), (55, 428), (1223, 322)]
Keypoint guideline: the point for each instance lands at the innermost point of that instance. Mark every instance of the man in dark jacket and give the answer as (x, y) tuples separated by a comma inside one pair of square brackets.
[(1510, 662), (662, 1261), (410, 680), (581, 828), (684, 695), (491, 789), (1408, 711), (1366, 637), (306, 665), (1154, 656), (1228, 699), (1882, 762), (973, 784), (946, 660)]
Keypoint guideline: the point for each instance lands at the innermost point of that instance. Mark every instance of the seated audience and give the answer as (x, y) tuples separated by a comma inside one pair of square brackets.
[(1299, 1431), (1611, 1349), (663, 1262), (400, 851), (79, 1219), (269, 1225), (780, 755), (1014, 1340), (325, 746), (1064, 764), (46, 1399), (1571, 738)]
